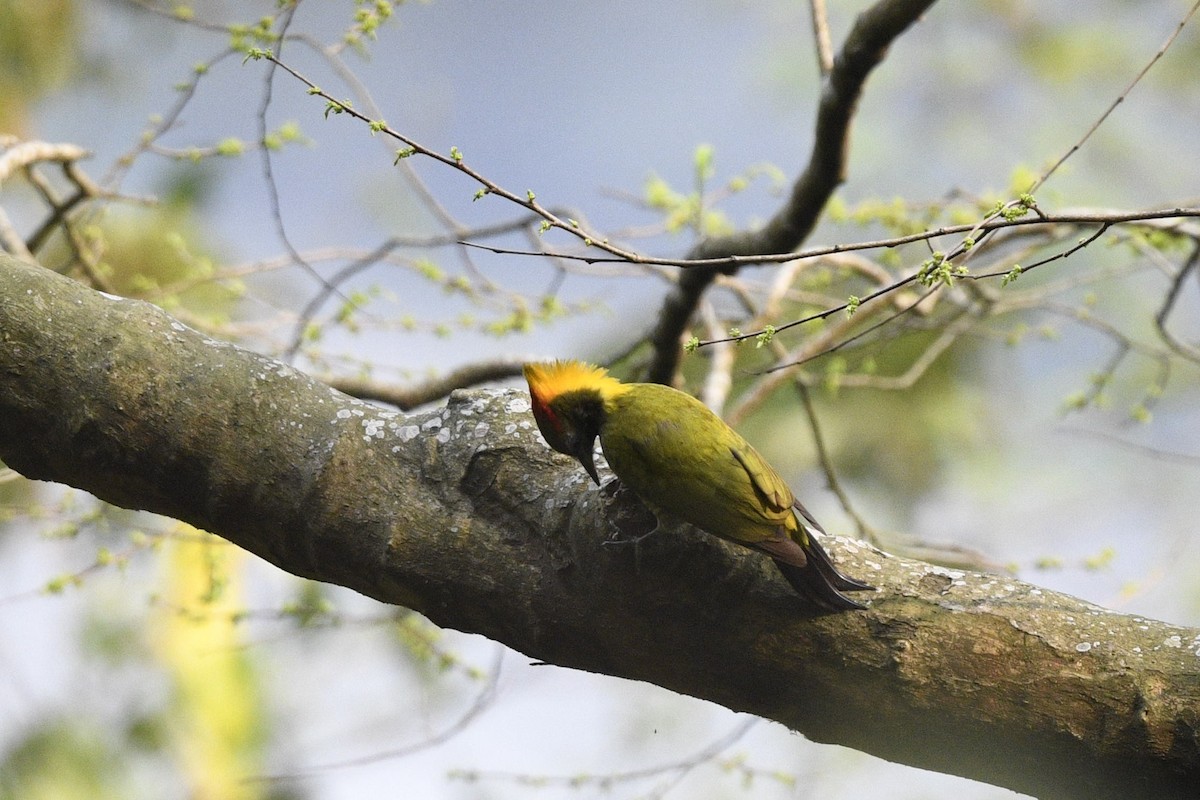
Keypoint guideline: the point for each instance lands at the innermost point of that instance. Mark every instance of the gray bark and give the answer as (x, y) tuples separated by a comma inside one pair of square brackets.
[(464, 515)]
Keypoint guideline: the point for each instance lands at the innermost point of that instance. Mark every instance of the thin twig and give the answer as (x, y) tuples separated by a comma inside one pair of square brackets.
[(679, 768), (865, 531), (948, 336), (899, 312), (456, 161), (719, 379), (483, 699), (1045, 176), (732, 263)]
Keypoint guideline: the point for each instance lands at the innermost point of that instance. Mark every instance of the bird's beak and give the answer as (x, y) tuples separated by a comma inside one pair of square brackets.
[(586, 456)]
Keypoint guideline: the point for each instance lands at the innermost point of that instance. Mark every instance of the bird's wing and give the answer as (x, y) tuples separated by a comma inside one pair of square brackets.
[(765, 480), (808, 517)]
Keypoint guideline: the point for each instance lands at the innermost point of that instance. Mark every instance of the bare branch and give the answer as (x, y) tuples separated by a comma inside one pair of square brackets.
[(864, 49), (433, 390), (1159, 218), (821, 38), (1187, 351), (865, 531), (455, 160), (20, 155)]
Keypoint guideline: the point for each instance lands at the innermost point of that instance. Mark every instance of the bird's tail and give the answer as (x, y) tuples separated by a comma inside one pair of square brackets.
[(818, 557), (818, 580)]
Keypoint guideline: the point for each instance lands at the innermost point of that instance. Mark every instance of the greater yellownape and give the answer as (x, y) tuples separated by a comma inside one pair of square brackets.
[(681, 458)]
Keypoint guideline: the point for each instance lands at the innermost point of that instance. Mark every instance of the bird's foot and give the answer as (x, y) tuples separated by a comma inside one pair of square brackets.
[(621, 538), (631, 521)]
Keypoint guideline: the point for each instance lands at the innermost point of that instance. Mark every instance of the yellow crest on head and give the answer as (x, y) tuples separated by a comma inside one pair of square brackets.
[(548, 380)]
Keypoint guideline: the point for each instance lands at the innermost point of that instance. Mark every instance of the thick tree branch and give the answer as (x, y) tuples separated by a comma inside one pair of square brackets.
[(464, 515), (864, 49)]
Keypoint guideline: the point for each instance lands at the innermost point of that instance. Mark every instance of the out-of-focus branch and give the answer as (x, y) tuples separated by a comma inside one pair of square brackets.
[(824, 44), (24, 156), (433, 390), (20, 155), (1190, 352), (27, 156), (865, 47)]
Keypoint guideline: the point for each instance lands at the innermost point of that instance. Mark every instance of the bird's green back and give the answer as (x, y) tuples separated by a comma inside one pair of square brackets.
[(680, 457)]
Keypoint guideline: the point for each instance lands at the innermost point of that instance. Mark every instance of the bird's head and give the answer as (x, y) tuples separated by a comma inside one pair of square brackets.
[(569, 403)]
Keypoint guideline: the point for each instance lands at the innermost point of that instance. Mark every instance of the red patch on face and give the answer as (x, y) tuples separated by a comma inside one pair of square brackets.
[(548, 422)]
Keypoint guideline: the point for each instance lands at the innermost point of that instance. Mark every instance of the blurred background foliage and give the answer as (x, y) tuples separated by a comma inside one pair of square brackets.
[(38, 55)]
